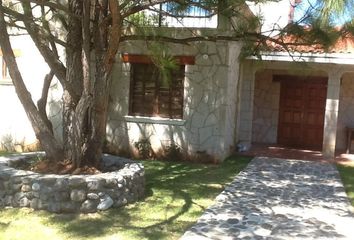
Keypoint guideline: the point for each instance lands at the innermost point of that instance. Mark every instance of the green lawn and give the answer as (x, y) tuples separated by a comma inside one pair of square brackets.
[(176, 195), (3, 153), (347, 175)]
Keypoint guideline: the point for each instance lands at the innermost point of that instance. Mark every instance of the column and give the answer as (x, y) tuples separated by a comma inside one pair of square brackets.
[(331, 114), (245, 118)]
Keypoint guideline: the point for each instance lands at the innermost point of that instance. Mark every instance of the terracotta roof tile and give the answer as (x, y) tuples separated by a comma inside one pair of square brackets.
[(344, 44)]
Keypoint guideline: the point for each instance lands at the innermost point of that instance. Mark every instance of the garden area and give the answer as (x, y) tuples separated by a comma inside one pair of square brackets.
[(346, 172), (176, 195)]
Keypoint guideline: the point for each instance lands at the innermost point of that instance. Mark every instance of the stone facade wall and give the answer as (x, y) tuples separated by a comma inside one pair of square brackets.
[(346, 109), (208, 100), (265, 108), (71, 193)]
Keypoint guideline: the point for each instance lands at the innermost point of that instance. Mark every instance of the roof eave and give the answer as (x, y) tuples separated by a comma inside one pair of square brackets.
[(331, 58)]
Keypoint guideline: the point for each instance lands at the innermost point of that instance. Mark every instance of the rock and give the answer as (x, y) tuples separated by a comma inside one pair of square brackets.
[(61, 196), (16, 187), (24, 202), (120, 179), (36, 203), (18, 196), (36, 187), (111, 182), (105, 203), (78, 195), (54, 207), (8, 200), (36, 194), (30, 195), (43, 196), (94, 185), (47, 180), (92, 196), (61, 184), (26, 180), (26, 188), (76, 182), (89, 206), (68, 207)]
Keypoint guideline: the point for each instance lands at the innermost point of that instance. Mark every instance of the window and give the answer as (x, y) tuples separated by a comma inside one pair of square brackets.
[(150, 95), (4, 70), (5, 76)]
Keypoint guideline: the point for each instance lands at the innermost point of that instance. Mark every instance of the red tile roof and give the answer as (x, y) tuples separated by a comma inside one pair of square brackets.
[(344, 44)]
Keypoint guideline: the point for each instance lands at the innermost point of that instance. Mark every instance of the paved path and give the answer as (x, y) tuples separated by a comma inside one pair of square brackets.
[(279, 199)]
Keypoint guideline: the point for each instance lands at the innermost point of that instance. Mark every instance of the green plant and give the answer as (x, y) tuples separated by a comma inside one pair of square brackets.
[(144, 148), (347, 174), (28, 163), (173, 152)]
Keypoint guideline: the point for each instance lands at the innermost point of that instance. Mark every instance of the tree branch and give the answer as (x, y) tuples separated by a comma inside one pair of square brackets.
[(49, 55), (54, 6), (114, 35), (42, 102)]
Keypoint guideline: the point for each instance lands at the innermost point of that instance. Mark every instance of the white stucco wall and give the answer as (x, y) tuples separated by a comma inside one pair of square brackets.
[(209, 102), (14, 124)]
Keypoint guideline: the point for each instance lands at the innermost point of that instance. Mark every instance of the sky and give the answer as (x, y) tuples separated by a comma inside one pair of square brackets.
[(305, 4)]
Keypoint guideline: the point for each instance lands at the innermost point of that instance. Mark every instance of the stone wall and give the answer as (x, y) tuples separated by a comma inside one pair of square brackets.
[(265, 108), (346, 109), (209, 102), (71, 193)]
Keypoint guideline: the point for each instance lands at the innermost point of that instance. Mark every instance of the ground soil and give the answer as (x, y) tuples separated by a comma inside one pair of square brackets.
[(46, 166)]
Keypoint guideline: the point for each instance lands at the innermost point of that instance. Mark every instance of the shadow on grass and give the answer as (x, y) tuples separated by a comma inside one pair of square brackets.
[(170, 205), (347, 175)]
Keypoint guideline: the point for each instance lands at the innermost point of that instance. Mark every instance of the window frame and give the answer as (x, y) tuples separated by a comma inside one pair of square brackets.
[(145, 61), (5, 78)]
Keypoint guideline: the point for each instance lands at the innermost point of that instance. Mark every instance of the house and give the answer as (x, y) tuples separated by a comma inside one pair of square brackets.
[(215, 101), (15, 130)]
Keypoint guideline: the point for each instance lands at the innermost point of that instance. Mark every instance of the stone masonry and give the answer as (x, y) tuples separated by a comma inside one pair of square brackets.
[(208, 124), (279, 199), (346, 109), (71, 193), (266, 108)]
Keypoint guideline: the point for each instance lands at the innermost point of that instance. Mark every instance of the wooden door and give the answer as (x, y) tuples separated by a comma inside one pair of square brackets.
[(301, 111)]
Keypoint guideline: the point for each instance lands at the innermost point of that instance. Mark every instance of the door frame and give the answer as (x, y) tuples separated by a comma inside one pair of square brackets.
[(302, 80)]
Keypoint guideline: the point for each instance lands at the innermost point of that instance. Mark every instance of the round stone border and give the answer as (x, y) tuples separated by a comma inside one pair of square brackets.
[(71, 193)]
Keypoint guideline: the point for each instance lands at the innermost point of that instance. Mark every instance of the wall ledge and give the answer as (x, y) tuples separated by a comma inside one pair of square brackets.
[(155, 120)]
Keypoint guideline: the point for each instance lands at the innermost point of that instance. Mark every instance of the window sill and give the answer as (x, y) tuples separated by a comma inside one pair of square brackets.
[(155, 120), (6, 82)]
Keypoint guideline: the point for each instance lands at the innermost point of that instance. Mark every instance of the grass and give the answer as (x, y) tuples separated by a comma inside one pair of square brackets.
[(2, 153), (176, 195), (347, 175)]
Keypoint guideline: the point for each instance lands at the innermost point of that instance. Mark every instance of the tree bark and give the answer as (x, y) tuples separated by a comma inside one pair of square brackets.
[(86, 81)]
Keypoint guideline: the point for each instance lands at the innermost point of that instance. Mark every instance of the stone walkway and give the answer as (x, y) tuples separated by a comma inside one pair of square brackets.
[(279, 199)]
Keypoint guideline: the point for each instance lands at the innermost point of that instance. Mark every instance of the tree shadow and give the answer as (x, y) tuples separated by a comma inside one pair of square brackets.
[(182, 183), (78, 226)]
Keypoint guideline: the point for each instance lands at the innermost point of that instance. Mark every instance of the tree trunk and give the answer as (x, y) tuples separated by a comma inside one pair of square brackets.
[(85, 120), (90, 52), (43, 133)]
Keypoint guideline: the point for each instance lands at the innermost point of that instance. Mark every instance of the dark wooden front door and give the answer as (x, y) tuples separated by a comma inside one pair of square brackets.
[(301, 111)]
